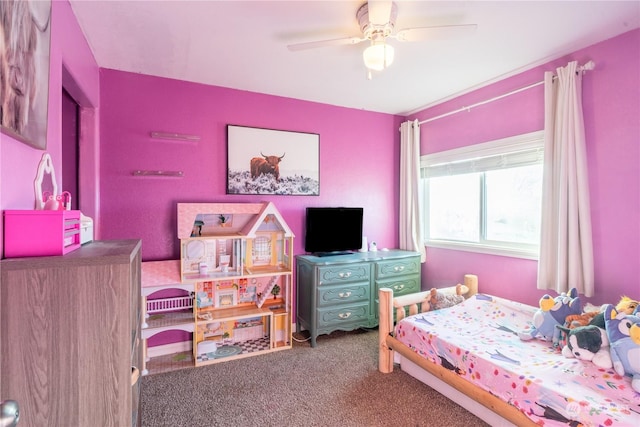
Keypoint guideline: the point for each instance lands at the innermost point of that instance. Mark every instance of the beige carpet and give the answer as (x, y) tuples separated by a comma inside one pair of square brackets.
[(335, 384)]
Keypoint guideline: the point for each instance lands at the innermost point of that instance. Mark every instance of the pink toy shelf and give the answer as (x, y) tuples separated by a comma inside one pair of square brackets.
[(40, 232)]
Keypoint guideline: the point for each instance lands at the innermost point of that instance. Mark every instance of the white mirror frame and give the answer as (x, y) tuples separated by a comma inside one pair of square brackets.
[(45, 166)]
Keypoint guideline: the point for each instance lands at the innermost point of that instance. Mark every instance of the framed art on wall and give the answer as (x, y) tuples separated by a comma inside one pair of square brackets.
[(24, 70), (269, 161)]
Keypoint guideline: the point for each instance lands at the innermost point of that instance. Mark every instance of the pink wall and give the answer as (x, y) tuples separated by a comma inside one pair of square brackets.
[(358, 157), (611, 102), (358, 153), (20, 161)]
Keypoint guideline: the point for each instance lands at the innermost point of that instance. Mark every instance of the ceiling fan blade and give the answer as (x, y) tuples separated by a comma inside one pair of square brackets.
[(435, 33), (379, 11), (324, 43)]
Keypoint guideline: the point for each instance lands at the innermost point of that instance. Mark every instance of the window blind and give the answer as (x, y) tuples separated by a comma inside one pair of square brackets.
[(522, 150)]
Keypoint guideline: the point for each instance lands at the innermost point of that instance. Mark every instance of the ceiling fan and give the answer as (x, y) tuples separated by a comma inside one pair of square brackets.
[(377, 21)]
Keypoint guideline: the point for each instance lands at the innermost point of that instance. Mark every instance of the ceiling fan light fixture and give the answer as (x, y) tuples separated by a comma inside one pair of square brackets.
[(378, 56)]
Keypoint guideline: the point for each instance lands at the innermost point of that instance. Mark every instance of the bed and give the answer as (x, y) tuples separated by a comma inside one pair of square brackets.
[(470, 352)]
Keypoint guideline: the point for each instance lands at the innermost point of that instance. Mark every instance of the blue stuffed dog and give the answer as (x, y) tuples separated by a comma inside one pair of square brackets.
[(552, 312), (623, 331)]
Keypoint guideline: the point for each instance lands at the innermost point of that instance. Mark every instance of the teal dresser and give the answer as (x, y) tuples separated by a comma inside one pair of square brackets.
[(340, 292)]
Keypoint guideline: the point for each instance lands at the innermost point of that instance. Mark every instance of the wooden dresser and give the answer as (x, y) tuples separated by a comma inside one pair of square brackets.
[(70, 336), (340, 292)]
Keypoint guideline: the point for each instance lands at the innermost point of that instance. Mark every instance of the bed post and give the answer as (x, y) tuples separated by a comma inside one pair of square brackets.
[(385, 354), (471, 282)]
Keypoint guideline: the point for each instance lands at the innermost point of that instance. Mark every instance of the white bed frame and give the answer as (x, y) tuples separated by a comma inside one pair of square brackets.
[(479, 402)]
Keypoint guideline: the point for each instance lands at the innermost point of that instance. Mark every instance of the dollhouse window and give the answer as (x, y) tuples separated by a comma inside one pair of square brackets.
[(261, 250)]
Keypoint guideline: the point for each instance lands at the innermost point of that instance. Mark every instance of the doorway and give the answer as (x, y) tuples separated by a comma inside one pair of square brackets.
[(71, 148)]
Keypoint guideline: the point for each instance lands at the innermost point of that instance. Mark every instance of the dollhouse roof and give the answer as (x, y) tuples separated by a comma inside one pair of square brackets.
[(241, 219)]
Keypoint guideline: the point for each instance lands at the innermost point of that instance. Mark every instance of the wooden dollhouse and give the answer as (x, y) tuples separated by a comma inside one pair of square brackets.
[(236, 263)]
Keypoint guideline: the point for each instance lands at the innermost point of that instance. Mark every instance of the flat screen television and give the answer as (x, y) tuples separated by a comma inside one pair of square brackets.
[(332, 231)]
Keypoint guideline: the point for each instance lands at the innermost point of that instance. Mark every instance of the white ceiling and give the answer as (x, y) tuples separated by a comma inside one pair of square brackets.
[(243, 45)]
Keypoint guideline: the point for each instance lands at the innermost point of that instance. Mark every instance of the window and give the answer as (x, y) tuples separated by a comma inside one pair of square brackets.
[(485, 198)]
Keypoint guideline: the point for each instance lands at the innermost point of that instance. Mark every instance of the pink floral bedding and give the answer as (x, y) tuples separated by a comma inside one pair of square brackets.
[(477, 340)]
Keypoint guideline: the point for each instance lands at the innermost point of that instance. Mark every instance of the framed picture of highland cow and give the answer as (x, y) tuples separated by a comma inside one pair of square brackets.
[(24, 70), (269, 161)]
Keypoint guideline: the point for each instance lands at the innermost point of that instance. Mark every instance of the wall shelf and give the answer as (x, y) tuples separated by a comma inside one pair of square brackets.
[(171, 174), (175, 136)]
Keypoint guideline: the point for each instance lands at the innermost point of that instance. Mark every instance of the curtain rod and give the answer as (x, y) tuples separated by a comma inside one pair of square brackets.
[(583, 68)]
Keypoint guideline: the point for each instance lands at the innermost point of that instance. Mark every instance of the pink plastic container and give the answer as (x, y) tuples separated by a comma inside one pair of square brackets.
[(40, 233)]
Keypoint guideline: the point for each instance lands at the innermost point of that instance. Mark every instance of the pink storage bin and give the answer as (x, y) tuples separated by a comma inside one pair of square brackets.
[(40, 233)]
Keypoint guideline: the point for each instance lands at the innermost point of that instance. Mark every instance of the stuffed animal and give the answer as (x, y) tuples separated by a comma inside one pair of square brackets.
[(588, 343), (596, 317), (552, 312), (623, 331), (440, 299), (584, 319)]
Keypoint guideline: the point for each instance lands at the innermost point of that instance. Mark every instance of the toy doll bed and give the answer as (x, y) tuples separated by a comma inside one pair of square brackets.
[(471, 354)]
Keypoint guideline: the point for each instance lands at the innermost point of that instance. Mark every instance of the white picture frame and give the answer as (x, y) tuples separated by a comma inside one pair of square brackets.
[(270, 161)]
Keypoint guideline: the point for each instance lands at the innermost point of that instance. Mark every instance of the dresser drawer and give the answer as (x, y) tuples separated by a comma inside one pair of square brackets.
[(400, 286), (354, 313), (397, 267), (344, 274), (339, 294)]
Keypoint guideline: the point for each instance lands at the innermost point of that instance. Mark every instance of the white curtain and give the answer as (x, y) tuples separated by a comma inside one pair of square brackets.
[(566, 250), (410, 224)]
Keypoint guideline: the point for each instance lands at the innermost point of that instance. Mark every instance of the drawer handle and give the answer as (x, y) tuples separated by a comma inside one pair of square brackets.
[(344, 315), (398, 287), (344, 294), (344, 275), (399, 268)]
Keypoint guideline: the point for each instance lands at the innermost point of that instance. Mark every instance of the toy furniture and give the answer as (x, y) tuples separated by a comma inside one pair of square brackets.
[(40, 232), (167, 303), (52, 229), (237, 256), (236, 264)]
